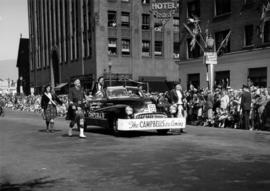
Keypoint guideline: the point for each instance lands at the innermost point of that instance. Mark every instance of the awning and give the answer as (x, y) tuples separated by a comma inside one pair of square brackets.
[(59, 86)]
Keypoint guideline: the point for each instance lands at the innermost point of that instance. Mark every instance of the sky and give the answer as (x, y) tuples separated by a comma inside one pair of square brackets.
[(13, 22)]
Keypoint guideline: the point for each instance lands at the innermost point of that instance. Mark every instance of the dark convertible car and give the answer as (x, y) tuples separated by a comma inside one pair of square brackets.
[(122, 110)]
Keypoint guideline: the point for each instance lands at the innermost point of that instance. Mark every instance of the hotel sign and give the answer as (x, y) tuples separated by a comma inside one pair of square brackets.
[(164, 9)]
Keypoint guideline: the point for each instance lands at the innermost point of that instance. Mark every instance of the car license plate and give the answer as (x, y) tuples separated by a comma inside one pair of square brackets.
[(152, 108)]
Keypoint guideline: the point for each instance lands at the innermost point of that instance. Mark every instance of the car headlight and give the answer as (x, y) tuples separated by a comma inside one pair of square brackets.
[(172, 109), (129, 110)]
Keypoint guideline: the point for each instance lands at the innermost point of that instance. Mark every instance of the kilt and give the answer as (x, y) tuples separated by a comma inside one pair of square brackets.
[(50, 112)]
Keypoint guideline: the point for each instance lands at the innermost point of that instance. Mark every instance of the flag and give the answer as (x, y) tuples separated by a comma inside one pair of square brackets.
[(224, 43), (192, 43), (193, 32), (265, 14)]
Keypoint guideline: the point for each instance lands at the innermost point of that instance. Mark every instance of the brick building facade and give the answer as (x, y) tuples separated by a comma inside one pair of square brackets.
[(248, 52), (85, 37)]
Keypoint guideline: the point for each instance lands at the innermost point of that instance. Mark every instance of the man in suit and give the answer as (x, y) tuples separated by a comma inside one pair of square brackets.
[(177, 97), (245, 106)]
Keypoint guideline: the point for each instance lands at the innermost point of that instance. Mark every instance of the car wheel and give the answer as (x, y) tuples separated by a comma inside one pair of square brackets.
[(163, 131), (114, 127), (85, 126)]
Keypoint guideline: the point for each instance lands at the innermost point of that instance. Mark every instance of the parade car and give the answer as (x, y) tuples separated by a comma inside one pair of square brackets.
[(121, 110)]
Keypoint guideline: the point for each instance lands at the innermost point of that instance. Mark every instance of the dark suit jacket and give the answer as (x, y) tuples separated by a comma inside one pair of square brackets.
[(45, 100), (246, 101), (76, 95), (173, 96)]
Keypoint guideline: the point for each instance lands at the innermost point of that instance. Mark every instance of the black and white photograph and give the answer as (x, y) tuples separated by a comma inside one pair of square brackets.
[(134, 95)]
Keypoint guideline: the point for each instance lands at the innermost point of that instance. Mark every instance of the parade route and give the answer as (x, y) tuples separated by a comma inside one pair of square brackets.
[(200, 159)]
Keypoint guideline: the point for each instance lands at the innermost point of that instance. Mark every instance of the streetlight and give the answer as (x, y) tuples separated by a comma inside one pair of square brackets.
[(110, 72), (211, 49)]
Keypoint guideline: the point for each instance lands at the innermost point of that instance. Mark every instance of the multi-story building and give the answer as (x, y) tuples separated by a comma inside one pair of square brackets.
[(23, 82), (247, 54), (90, 38)]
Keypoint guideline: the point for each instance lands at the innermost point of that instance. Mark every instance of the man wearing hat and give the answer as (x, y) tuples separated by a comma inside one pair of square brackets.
[(245, 106)]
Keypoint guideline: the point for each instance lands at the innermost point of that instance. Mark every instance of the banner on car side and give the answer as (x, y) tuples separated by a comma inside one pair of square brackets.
[(151, 124)]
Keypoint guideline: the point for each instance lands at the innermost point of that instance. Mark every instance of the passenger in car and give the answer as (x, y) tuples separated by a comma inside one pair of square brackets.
[(98, 89)]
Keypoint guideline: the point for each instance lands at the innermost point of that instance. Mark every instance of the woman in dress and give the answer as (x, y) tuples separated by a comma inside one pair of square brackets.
[(48, 104)]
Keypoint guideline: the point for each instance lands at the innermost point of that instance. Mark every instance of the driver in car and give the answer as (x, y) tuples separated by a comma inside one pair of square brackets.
[(98, 90)]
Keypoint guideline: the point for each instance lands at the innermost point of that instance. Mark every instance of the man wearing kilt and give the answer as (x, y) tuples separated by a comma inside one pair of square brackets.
[(75, 111), (48, 104)]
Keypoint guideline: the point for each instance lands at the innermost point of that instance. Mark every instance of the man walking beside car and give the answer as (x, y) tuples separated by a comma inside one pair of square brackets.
[(177, 98), (75, 112)]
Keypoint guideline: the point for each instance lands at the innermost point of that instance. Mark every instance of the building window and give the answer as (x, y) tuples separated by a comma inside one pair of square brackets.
[(126, 47), (176, 24), (158, 48), (248, 35), (267, 31), (222, 7), (145, 21), (219, 37), (258, 76), (176, 50), (193, 8), (125, 20), (195, 52), (222, 79), (193, 79), (112, 46), (112, 18), (146, 48), (145, 2)]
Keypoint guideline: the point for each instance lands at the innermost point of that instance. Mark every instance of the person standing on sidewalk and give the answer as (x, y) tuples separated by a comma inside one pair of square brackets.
[(75, 112), (49, 101), (245, 106)]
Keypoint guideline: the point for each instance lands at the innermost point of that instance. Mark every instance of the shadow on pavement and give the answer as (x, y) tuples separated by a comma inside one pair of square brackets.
[(45, 131), (130, 134), (44, 182)]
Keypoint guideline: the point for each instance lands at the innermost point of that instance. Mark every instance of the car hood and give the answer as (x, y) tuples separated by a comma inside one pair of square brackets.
[(138, 104)]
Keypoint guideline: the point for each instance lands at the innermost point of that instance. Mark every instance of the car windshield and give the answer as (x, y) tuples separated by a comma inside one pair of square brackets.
[(117, 92)]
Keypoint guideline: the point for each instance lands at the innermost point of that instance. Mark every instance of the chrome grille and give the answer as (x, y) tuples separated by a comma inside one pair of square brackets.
[(149, 115)]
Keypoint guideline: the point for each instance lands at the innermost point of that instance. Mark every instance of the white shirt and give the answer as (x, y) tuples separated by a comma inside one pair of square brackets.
[(179, 95), (224, 101)]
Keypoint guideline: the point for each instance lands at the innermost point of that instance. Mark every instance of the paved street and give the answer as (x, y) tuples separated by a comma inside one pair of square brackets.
[(201, 159)]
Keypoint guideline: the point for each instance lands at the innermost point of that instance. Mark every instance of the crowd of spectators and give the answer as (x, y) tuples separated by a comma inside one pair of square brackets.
[(222, 107), (31, 103), (218, 109)]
